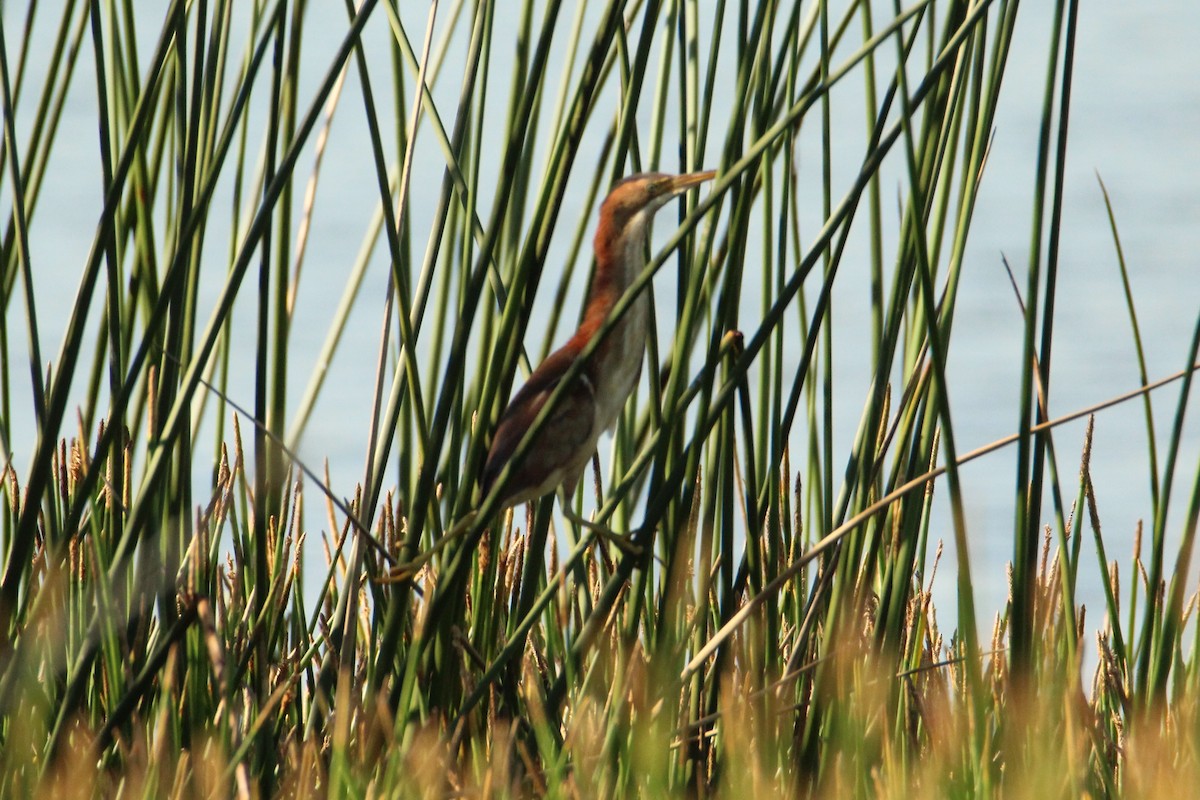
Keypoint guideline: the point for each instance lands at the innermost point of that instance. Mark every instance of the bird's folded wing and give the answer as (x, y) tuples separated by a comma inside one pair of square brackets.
[(559, 440)]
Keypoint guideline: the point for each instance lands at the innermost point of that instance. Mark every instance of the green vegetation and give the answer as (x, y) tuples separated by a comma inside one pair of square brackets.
[(775, 637)]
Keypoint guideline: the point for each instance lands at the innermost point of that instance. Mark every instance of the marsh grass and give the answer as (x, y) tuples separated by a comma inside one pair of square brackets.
[(171, 628)]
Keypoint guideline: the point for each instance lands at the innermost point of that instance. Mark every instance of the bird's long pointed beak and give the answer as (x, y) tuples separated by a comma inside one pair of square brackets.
[(682, 183)]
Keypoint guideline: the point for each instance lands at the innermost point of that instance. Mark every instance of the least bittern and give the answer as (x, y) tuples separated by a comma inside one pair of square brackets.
[(593, 400), (590, 405)]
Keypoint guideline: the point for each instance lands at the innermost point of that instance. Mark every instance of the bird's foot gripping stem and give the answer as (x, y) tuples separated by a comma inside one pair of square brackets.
[(622, 542)]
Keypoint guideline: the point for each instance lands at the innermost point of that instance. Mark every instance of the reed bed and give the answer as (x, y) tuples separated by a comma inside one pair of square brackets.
[(193, 606)]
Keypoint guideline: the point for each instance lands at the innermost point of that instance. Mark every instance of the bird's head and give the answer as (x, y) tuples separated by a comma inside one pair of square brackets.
[(626, 212), (644, 193)]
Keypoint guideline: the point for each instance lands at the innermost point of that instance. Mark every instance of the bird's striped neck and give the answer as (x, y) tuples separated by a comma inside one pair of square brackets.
[(620, 258)]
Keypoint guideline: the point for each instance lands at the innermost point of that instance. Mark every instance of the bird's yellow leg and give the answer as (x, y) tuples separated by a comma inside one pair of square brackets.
[(624, 543), (409, 569)]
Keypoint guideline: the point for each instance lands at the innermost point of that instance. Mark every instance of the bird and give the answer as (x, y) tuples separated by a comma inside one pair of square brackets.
[(593, 400)]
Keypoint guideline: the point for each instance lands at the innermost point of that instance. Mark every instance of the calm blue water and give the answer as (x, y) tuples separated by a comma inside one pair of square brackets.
[(1135, 116)]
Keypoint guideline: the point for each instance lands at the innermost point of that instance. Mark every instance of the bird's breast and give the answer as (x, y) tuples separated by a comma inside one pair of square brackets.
[(620, 363)]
